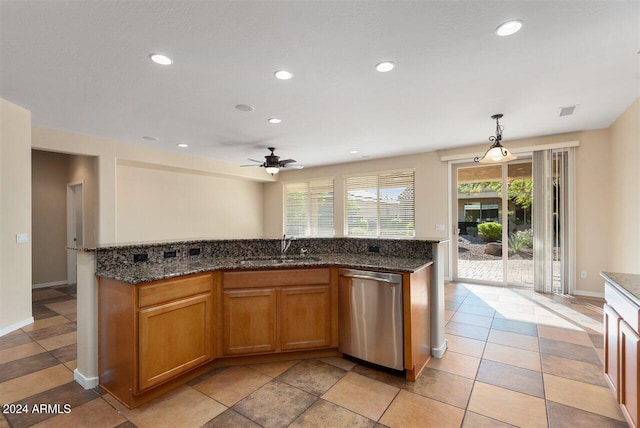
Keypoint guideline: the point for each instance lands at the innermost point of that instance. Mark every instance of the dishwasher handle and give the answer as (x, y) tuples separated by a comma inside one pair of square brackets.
[(373, 278)]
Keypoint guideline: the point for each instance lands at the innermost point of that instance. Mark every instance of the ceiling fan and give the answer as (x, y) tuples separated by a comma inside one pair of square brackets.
[(272, 163)]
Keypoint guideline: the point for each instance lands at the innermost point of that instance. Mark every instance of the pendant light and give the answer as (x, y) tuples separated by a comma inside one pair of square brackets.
[(497, 153)]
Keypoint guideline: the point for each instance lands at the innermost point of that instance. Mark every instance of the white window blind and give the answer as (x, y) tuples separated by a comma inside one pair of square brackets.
[(381, 205), (308, 208)]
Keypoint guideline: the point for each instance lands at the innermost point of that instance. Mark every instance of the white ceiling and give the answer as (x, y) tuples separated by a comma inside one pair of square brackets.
[(83, 66)]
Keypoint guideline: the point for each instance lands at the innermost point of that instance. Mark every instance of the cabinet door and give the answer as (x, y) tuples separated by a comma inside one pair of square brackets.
[(174, 338), (629, 353), (611, 335), (305, 317), (249, 321)]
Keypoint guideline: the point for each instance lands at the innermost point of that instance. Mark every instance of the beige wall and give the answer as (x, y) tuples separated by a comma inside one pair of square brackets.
[(159, 204), (431, 187), (15, 216), (624, 197), (591, 199), (432, 199), (110, 153), (49, 173)]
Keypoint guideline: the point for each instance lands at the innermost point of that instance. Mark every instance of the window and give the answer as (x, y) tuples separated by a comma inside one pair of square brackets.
[(308, 208), (381, 205)]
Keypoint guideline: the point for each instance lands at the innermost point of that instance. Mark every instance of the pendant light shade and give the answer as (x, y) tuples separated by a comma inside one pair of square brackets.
[(497, 153)]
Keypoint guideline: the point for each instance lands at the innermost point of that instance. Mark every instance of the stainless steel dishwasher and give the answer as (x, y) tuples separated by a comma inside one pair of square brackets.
[(370, 317)]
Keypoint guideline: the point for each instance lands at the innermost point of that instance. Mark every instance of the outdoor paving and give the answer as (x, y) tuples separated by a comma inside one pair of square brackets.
[(520, 271)]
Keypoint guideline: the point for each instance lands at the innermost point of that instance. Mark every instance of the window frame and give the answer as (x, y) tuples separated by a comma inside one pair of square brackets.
[(377, 174), (308, 183)]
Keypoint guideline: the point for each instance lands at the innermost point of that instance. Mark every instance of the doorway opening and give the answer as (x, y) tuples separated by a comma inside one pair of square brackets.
[(75, 226)]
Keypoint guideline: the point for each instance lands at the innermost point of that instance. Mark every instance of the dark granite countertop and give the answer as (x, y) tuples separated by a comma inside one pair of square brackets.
[(145, 272), (627, 283)]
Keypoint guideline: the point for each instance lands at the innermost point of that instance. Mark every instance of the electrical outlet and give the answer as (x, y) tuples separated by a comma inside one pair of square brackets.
[(141, 257), (583, 274), (22, 238), (170, 253), (439, 226)]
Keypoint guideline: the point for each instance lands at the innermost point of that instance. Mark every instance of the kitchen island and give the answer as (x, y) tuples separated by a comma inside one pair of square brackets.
[(151, 294)]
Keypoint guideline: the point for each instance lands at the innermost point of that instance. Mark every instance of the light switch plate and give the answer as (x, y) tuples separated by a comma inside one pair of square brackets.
[(439, 226), (22, 238)]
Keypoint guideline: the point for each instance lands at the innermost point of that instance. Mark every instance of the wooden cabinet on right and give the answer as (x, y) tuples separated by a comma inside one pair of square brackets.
[(622, 350), (305, 317)]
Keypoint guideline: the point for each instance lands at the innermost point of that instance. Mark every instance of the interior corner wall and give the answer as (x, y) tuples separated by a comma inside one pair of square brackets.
[(163, 204), (49, 172), (15, 217), (624, 194), (592, 190)]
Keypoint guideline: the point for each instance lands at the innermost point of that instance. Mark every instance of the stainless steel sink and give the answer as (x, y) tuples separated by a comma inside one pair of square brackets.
[(266, 262)]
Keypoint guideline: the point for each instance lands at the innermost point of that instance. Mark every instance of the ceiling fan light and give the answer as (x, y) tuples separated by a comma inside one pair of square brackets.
[(273, 170)]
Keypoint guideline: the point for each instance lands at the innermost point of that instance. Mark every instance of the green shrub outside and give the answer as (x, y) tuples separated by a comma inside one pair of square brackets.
[(521, 239), (490, 231), (473, 231)]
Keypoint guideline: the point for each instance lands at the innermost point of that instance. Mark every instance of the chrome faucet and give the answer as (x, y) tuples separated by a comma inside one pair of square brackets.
[(285, 243)]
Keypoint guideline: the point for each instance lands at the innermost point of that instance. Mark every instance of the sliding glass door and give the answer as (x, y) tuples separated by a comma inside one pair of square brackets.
[(512, 222)]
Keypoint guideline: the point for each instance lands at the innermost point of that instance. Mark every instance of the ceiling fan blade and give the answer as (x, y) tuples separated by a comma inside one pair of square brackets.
[(250, 165), (253, 160), (286, 161)]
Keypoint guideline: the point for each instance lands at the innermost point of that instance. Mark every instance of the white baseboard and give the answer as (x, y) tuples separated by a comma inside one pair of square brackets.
[(14, 327), (440, 350), (49, 284), (85, 382), (588, 293)]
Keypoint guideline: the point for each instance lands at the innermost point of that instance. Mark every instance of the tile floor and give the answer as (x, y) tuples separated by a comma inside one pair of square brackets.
[(516, 358)]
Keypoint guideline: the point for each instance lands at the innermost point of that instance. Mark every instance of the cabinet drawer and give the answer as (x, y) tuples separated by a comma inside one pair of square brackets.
[(272, 278), (172, 289), (628, 310)]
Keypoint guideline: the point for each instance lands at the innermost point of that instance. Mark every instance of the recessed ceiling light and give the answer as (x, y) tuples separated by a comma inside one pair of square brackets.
[(160, 59), (150, 138), (183, 145), (274, 120), (385, 66), (508, 28), (353, 152), (283, 75), (245, 107)]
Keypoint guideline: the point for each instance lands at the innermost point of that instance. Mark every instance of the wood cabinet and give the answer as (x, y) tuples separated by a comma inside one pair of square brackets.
[(152, 334), (416, 308), (622, 350), (628, 375), (249, 321), (305, 317), (279, 310), (611, 321)]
